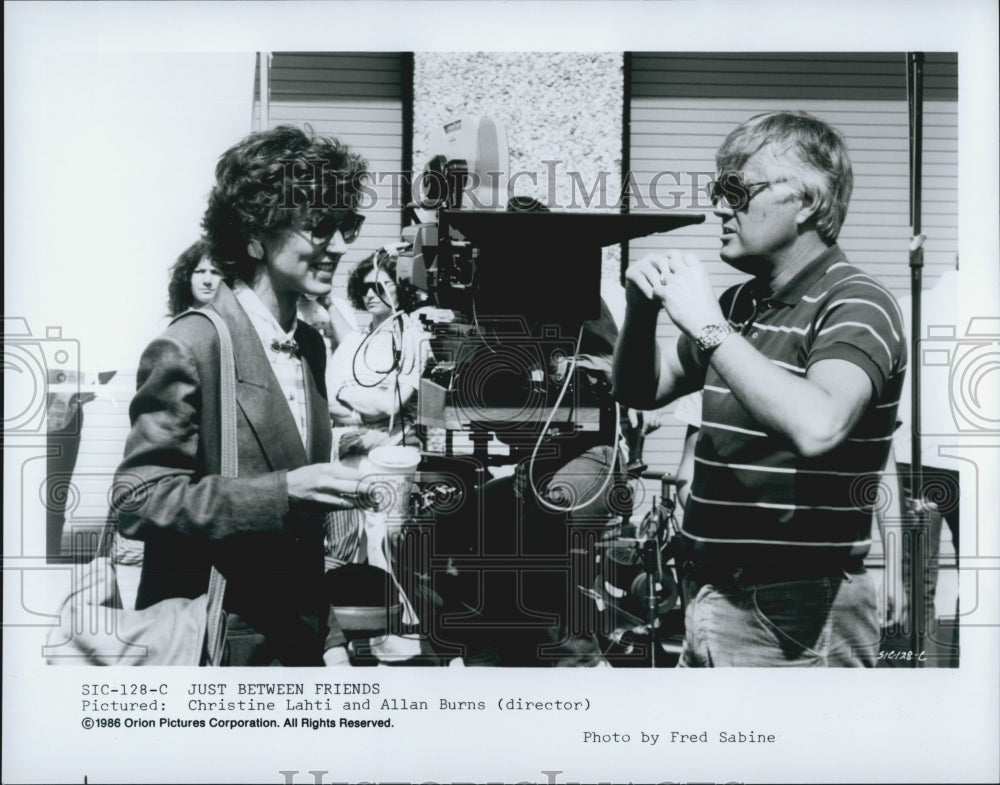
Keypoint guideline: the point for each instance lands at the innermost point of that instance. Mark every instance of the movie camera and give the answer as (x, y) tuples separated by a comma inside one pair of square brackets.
[(508, 286), (516, 282)]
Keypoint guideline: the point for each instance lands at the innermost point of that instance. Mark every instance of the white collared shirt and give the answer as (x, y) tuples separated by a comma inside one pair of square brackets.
[(287, 369)]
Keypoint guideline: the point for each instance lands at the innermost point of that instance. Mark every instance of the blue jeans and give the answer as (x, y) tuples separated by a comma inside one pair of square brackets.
[(821, 622)]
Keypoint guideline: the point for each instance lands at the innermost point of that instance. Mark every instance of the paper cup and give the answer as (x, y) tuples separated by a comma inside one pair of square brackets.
[(391, 470)]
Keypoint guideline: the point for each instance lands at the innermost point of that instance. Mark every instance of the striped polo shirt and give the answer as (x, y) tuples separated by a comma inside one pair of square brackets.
[(753, 498)]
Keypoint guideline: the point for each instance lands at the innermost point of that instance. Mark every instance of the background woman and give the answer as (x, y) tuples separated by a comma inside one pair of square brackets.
[(372, 382), (194, 279), (374, 373)]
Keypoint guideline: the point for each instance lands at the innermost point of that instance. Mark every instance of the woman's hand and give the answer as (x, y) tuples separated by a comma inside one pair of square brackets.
[(327, 484), (342, 413), (373, 438)]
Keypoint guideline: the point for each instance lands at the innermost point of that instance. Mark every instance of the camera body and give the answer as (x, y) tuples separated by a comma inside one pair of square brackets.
[(505, 377), (521, 345), (442, 267), (517, 283)]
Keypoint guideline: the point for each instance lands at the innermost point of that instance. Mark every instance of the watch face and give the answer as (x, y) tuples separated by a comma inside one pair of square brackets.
[(712, 335)]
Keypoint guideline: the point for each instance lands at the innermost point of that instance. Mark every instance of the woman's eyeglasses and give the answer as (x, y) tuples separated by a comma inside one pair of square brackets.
[(375, 286), (347, 223), (733, 189)]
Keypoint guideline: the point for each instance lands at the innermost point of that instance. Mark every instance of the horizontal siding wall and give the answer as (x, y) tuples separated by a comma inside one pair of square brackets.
[(683, 106), (833, 76), (102, 443), (358, 98)]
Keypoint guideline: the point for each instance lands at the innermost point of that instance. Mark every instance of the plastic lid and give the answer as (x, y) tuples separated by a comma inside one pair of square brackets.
[(395, 457)]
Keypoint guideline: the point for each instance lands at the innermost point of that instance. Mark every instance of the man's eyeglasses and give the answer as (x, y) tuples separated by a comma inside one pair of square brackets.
[(347, 223), (733, 189), (375, 286)]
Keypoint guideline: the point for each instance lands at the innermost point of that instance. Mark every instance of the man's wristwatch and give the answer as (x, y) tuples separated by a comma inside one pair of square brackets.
[(711, 335)]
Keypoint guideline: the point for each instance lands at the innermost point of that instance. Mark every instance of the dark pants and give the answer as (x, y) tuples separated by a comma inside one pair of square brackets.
[(63, 447), (941, 487)]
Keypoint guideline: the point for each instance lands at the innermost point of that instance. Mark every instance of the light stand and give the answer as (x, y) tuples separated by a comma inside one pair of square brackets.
[(917, 545)]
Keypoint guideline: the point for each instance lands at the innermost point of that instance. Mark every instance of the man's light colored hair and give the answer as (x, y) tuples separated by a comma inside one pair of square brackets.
[(815, 154)]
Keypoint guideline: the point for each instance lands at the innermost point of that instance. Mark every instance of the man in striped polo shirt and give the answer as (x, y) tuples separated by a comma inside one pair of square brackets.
[(801, 367)]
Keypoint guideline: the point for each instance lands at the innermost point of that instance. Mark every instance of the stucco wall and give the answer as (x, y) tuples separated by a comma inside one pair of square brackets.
[(564, 107)]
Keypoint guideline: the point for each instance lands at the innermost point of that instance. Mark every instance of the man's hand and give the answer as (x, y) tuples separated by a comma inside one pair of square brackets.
[(644, 284), (895, 608), (677, 282), (327, 484), (646, 375), (686, 291)]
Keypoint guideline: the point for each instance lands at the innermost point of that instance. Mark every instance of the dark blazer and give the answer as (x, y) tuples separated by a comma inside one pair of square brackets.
[(168, 491)]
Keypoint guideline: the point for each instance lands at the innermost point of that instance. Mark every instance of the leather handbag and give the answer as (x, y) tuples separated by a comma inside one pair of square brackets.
[(94, 629)]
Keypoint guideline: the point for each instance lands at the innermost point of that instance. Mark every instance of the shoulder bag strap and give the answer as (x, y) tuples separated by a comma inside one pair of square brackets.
[(216, 628)]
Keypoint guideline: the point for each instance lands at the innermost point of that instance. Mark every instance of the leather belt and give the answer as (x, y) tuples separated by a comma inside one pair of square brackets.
[(764, 573)]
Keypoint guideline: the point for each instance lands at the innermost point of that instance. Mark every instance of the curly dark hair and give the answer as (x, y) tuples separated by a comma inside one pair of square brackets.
[(179, 295), (273, 180), (406, 294)]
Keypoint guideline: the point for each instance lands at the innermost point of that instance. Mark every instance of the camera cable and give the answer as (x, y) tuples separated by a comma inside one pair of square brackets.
[(546, 503)]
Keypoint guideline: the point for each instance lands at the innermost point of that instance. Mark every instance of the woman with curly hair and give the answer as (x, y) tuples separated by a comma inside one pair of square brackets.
[(280, 216), (194, 279), (374, 373)]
